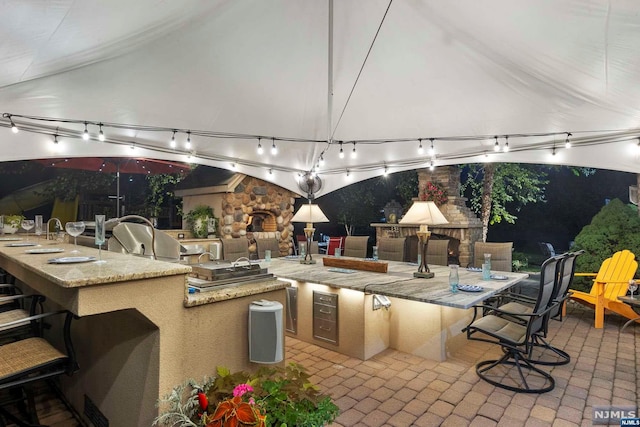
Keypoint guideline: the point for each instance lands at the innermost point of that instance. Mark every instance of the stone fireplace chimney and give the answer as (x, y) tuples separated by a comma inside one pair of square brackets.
[(464, 227)]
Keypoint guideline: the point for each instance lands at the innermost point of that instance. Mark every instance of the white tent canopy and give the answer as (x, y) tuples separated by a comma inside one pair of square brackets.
[(230, 72)]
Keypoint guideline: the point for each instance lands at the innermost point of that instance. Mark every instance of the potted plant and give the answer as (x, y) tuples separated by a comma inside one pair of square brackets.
[(12, 223), (199, 221), (270, 397)]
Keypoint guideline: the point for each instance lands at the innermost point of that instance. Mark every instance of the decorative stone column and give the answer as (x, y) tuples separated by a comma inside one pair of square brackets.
[(463, 226)]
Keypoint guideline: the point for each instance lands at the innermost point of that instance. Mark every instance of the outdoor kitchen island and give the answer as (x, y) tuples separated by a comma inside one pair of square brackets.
[(139, 332), (334, 307)]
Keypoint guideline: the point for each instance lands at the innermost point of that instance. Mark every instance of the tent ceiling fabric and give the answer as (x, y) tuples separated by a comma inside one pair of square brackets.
[(437, 69)]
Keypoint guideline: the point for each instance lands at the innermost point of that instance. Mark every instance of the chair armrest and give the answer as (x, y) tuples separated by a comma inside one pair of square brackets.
[(21, 296), (585, 274), (31, 318), (516, 297)]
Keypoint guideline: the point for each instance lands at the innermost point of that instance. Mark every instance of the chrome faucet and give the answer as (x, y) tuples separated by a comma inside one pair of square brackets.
[(58, 224)]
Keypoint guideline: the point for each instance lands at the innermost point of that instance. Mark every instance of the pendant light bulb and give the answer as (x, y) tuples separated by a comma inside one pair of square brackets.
[(274, 149), (353, 152), (341, 154), (506, 144), (260, 149), (321, 161), (173, 143), (85, 134), (188, 143), (386, 171), (496, 146), (14, 128), (567, 143), (431, 166), (100, 134), (420, 149), (432, 150)]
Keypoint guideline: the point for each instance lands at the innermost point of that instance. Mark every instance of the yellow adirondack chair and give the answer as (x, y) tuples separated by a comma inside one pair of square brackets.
[(612, 281)]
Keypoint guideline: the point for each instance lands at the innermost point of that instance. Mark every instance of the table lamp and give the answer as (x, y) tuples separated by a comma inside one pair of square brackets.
[(309, 214), (424, 214)]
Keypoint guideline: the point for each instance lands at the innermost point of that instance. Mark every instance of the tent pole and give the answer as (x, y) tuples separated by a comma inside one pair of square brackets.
[(118, 190), (330, 73)]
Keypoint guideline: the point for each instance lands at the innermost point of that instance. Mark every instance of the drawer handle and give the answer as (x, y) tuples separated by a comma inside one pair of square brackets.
[(325, 299), (325, 329), (324, 312)]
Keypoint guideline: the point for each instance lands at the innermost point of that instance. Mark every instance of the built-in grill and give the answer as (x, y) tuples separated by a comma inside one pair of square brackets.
[(208, 275)]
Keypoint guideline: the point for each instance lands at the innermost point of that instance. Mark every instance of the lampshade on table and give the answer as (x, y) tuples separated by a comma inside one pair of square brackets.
[(424, 214), (309, 214)]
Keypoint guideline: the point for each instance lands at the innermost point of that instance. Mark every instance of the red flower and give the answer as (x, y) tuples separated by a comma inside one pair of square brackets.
[(434, 192)]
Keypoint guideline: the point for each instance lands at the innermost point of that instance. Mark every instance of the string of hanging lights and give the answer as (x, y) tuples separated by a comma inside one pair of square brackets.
[(52, 126)]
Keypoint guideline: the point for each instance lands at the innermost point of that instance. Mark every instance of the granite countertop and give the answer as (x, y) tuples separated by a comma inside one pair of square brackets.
[(398, 281), (117, 268)]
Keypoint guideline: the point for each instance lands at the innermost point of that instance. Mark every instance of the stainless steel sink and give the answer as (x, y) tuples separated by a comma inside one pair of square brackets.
[(191, 249)]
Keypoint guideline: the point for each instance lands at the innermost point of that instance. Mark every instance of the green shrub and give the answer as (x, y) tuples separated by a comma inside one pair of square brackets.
[(614, 228), (519, 261)]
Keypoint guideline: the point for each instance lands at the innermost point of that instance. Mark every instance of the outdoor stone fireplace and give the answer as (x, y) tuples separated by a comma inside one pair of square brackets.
[(464, 227), (247, 207)]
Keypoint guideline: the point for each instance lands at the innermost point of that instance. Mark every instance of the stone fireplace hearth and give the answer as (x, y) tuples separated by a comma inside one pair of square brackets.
[(464, 227)]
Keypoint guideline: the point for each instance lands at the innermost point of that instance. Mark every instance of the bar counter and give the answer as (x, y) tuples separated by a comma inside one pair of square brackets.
[(139, 332), (425, 318)]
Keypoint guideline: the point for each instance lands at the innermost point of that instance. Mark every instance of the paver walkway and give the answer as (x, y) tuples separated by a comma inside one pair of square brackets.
[(398, 389)]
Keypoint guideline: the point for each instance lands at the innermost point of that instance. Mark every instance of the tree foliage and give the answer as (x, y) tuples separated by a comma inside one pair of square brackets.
[(161, 188), (614, 228), (360, 204), (496, 191), (69, 183)]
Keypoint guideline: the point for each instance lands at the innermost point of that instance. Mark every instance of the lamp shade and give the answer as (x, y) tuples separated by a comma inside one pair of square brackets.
[(423, 213), (309, 213)]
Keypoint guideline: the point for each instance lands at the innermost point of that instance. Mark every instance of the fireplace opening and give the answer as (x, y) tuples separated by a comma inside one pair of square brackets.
[(262, 221), (411, 248)]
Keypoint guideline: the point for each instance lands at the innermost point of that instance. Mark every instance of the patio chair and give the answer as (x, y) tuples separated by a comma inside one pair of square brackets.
[(29, 360), (233, 249), (522, 304), (501, 254), (391, 248), (17, 309), (272, 244), (333, 244), (547, 249), (611, 282), (516, 339), (356, 246), (438, 252)]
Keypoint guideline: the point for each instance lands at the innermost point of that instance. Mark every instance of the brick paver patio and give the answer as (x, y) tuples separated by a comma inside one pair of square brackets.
[(398, 389)]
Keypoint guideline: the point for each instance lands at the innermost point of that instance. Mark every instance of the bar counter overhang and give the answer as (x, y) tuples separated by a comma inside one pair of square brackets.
[(139, 332)]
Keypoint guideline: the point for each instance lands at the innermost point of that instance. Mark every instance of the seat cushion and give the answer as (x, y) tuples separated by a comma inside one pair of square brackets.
[(12, 316), (501, 328), (21, 356)]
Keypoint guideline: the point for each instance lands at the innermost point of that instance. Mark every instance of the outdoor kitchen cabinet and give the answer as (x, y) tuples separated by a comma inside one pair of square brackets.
[(325, 316)]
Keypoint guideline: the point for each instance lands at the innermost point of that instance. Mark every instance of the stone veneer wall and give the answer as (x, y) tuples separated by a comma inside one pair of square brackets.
[(463, 225), (253, 194)]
